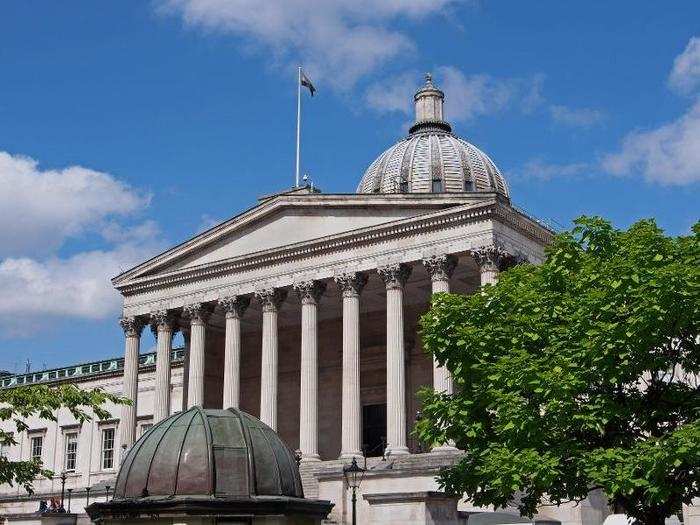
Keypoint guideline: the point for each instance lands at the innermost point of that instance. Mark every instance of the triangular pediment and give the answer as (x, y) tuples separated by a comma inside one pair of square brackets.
[(288, 220)]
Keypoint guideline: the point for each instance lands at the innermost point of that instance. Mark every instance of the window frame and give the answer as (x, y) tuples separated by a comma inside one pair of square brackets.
[(70, 438), (111, 450), (33, 439)]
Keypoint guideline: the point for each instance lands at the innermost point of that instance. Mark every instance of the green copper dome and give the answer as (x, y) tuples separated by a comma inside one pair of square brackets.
[(208, 453)]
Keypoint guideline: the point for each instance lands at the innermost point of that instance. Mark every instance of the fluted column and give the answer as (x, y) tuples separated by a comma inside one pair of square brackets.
[(185, 329), (490, 260), (351, 285), (133, 326), (395, 277), (162, 323), (271, 300), (440, 268), (235, 307), (309, 294), (198, 315)]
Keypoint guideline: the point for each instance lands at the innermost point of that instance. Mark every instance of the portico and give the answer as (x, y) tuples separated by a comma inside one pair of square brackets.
[(283, 352)]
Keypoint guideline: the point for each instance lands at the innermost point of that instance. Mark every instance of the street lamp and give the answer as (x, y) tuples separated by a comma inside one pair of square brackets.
[(353, 477), (87, 496), (63, 490), (107, 491), (70, 491)]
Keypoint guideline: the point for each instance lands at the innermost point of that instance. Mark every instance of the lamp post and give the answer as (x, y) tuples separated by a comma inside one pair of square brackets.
[(87, 496), (353, 477), (63, 491), (70, 491), (107, 491)]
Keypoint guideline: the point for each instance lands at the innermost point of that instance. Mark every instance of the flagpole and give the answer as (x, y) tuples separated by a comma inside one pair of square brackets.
[(296, 180)]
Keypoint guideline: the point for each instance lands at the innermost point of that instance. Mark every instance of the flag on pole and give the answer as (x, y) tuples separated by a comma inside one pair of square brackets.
[(307, 83)]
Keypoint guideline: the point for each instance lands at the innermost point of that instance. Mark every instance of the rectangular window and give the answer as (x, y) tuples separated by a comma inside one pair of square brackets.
[(71, 452), (36, 447), (107, 448)]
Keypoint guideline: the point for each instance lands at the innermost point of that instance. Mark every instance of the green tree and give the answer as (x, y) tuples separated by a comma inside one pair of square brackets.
[(577, 374), (43, 401)]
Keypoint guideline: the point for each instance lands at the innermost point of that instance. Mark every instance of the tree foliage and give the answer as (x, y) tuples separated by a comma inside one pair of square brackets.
[(42, 401), (577, 374)]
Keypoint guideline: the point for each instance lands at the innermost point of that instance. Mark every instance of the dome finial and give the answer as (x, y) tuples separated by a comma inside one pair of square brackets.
[(429, 101)]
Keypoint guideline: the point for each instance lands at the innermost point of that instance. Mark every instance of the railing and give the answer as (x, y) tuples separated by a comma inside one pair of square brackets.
[(83, 370)]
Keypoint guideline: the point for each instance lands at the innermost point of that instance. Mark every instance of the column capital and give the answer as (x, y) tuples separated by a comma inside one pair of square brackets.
[(163, 320), (310, 292), (491, 257), (351, 283), (132, 326), (271, 298), (440, 267), (235, 305), (394, 275), (197, 312)]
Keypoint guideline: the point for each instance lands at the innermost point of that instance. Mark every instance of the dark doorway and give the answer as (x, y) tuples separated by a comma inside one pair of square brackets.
[(374, 429)]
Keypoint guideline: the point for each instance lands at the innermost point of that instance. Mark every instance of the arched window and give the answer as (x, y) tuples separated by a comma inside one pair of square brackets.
[(437, 186), (403, 185), (468, 185)]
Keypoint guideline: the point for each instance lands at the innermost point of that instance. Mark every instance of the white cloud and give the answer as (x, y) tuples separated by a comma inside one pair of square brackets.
[(466, 96), (669, 154), (336, 40), (45, 207), (577, 117), (394, 94), (41, 210), (541, 170), (685, 74), (34, 291)]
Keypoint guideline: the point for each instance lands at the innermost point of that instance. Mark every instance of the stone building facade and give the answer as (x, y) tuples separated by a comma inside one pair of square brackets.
[(304, 312)]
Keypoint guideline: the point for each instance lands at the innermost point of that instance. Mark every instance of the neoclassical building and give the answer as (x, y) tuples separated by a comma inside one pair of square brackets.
[(304, 310)]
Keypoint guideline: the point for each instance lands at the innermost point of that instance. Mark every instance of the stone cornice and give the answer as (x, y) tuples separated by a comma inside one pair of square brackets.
[(431, 221)]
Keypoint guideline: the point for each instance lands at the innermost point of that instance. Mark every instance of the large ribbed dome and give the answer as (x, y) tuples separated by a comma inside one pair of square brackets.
[(210, 454), (432, 159)]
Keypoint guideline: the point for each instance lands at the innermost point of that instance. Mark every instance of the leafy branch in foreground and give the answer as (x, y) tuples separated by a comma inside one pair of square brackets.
[(575, 375), (43, 401)]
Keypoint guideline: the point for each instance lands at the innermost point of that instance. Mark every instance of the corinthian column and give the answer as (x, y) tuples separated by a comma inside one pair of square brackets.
[(198, 315), (490, 259), (271, 300), (162, 323), (440, 268), (309, 293), (234, 307), (351, 285), (133, 326), (395, 277)]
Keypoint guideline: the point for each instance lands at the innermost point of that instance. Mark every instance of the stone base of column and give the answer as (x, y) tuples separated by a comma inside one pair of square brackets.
[(310, 458), (396, 451), (350, 455)]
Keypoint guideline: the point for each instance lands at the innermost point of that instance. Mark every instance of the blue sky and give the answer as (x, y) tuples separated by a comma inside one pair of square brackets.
[(126, 127)]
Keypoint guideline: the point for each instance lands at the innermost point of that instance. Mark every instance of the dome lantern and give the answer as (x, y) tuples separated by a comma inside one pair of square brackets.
[(429, 102), (432, 159)]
